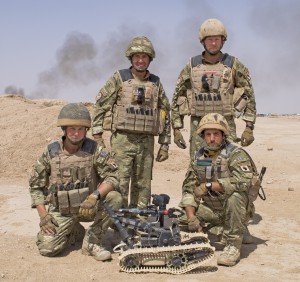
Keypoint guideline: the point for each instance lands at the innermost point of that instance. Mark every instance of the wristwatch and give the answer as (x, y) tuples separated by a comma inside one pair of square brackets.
[(250, 125), (97, 194), (208, 186)]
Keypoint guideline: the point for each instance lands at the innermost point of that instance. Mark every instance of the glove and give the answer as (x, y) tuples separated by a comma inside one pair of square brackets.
[(194, 224), (247, 137), (87, 207), (98, 138), (178, 139), (162, 154), (48, 224), (200, 191)]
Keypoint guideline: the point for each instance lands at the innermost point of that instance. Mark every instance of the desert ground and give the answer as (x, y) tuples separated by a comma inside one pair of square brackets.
[(27, 126)]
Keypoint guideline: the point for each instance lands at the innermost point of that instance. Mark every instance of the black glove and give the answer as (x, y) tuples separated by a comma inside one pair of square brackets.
[(48, 224)]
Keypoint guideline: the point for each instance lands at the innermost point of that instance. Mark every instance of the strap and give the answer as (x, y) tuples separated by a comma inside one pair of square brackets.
[(126, 75), (227, 60), (54, 149), (89, 146)]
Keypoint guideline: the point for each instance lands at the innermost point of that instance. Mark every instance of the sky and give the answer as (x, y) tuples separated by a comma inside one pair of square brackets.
[(68, 49)]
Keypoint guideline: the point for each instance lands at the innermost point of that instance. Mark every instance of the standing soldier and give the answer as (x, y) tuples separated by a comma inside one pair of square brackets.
[(216, 189), (213, 82), (68, 172), (134, 107)]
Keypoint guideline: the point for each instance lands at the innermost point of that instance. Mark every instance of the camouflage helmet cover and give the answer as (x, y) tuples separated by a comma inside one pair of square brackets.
[(213, 121), (212, 27), (140, 45), (74, 114)]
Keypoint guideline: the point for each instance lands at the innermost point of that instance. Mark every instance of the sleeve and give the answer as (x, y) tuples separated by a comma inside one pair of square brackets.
[(106, 166), (241, 173), (190, 182), (242, 79), (39, 180), (164, 104), (105, 100), (182, 85)]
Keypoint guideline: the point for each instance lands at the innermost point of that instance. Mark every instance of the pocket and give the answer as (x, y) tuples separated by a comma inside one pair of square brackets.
[(183, 105)]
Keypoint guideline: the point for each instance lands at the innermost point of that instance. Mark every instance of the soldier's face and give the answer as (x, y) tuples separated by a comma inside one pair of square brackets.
[(140, 62), (75, 134), (213, 137), (213, 44)]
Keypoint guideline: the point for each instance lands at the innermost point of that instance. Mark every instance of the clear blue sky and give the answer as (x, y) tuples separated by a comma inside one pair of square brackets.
[(67, 49)]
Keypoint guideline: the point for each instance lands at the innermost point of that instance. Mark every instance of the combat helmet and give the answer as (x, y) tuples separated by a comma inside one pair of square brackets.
[(74, 114), (140, 44), (213, 121), (212, 27)]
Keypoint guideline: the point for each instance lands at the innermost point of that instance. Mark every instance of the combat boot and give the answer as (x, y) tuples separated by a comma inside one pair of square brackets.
[(247, 237), (230, 256), (95, 250)]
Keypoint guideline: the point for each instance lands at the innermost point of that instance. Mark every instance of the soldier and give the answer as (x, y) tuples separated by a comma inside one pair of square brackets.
[(213, 82), (216, 186), (134, 107), (68, 172)]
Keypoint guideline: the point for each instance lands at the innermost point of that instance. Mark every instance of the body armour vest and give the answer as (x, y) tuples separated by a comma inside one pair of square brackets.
[(72, 177), (212, 170), (212, 87), (136, 109)]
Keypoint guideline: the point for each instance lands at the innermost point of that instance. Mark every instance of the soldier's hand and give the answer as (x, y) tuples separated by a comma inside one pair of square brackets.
[(162, 154), (200, 191), (48, 224), (178, 139), (88, 207), (247, 137), (99, 139), (194, 224)]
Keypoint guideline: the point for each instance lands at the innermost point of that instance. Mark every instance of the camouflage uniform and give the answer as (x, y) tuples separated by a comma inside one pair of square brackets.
[(232, 168), (49, 180), (240, 78), (133, 149)]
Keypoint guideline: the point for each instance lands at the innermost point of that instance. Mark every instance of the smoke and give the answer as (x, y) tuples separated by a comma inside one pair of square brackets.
[(277, 39), (11, 89), (80, 61), (75, 65)]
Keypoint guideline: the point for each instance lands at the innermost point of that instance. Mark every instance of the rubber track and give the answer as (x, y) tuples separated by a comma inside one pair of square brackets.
[(156, 252)]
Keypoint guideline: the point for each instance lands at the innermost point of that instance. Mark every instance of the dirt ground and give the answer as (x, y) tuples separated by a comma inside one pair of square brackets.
[(28, 125)]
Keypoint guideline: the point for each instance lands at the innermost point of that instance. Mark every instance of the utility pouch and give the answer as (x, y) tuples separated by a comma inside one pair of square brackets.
[(138, 95), (63, 202), (240, 99), (183, 105)]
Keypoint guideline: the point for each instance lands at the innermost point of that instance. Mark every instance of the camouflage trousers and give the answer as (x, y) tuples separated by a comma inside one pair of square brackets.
[(134, 154), (196, 141), (55, 244), (230, 222)]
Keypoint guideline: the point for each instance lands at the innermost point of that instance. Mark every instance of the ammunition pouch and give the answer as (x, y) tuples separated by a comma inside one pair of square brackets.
[(67, 198)]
